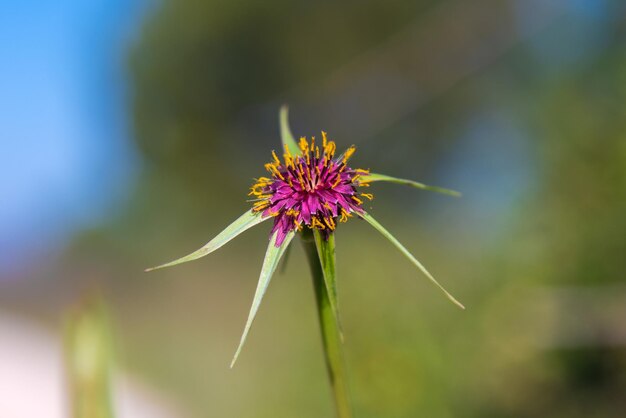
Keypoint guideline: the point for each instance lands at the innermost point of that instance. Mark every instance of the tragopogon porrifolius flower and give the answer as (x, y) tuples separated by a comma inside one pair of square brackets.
[(310, 191)]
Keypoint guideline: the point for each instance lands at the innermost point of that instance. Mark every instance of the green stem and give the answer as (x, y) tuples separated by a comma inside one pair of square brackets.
[(331, 337)]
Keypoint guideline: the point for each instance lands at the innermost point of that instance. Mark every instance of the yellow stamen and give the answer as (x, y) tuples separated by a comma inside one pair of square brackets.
[(315, 223), (330, 148), (357, 200), (337, 180), (292, 212), (260, 206), (288, 157), (276, 160), (288, 160), (300, 179), (348, 153), (344, 215), (271, 167), (304, 145), (368, 195)]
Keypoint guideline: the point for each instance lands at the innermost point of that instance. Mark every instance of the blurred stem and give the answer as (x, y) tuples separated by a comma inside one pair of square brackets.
[(331, 337), (88, 359)]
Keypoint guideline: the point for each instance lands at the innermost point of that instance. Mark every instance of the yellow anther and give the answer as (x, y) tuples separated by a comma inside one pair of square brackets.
[(357, 200), (324, 140), (315, 223), (271, 167), (368, 196), (259, 206), (330, 148), (292, 212), (337, 180), (288, 160), (344, 215), (348, 153), (329, 222), (304, 145), (300, 179), (276, 160)]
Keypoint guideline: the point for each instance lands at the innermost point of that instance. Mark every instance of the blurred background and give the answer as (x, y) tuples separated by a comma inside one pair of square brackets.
[(131, 131)]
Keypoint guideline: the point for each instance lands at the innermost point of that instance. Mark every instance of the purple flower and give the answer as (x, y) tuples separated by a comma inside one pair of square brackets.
[(314, 189)]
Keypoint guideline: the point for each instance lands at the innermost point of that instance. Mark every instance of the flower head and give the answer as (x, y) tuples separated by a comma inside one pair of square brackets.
[(314, 189)]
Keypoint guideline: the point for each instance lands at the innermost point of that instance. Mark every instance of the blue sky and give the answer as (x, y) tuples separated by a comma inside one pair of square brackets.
[(66, 157)]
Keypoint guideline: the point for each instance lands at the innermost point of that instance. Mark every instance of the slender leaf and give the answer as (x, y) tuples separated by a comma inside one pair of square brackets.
[(326, 253), (408, 255), (286, 137), (244, 222), (285, 260), (272, 257), (382, 177)]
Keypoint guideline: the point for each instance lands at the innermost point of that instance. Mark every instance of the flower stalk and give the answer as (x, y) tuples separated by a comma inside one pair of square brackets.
[(329, 326)]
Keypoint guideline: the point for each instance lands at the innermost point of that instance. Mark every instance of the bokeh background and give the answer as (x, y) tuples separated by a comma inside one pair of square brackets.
[(131, 130)]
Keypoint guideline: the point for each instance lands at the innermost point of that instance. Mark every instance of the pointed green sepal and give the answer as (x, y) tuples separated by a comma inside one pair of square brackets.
[(326, 252), (243, 223), (272, 257), (286, 137), (408, 255), (382, 177)]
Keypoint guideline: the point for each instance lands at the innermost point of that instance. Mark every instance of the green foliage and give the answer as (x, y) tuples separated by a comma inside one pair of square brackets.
[(287, 139), (382, 177), (272, 258)]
